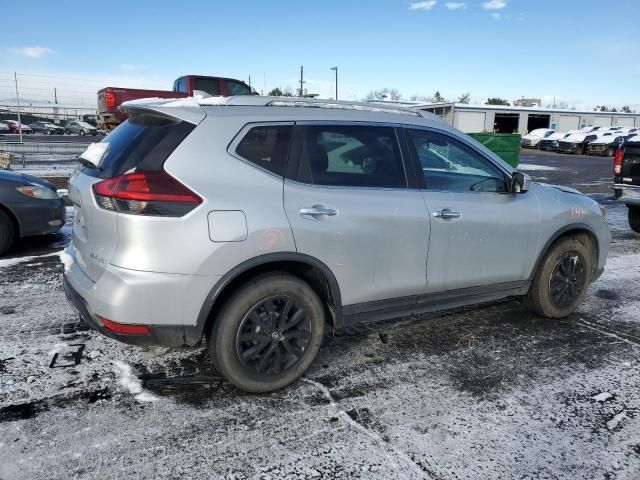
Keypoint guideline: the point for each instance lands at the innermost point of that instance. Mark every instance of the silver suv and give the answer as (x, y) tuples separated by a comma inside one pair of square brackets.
[(257, 223)]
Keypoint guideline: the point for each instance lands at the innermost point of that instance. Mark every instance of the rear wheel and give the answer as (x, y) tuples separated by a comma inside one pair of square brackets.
[(268, 333), (7, 232), (634, 218), (561, 280)]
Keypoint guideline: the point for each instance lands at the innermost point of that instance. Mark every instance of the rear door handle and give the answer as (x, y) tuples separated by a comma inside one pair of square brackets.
[(446, 213), (317, 211)]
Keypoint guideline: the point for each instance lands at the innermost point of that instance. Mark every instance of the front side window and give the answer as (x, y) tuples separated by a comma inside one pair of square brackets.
[(351, 156), (267, 147), (237, 88), (448, 164)]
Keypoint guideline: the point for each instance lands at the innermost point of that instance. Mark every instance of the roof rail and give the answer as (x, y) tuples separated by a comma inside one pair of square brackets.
[(261, 101), (340, 105)]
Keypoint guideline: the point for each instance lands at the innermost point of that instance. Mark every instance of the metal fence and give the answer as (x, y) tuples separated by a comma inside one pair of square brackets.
[(52, 159)]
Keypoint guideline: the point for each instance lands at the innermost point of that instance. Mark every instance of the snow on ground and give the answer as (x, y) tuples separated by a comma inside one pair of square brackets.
[(482, 392), (533, 167)]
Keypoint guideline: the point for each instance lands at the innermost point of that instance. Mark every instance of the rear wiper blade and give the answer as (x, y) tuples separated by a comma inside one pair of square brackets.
[(86, 163)]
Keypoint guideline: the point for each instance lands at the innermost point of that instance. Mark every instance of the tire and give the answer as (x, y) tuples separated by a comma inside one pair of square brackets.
[(7, 232), (634, 218), (268, 363), (82, 132), (549, 275), (67, 132)]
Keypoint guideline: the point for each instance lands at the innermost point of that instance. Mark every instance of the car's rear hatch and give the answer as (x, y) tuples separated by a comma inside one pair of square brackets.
[(141, 144)]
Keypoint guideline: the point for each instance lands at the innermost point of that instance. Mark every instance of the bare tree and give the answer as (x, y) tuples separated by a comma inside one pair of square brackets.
[(385, 93)]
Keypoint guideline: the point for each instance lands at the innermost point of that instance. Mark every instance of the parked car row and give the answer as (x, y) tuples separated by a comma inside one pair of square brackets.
[(590, 140), (49, 128)]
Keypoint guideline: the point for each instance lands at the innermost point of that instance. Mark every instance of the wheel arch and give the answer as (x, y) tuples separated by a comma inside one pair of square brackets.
[(568, 231), (14, 218), (308, 268)]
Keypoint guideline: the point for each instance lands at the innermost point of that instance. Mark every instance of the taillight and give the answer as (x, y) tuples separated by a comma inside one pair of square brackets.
[(146, 193), (110, 99), (617, 162)]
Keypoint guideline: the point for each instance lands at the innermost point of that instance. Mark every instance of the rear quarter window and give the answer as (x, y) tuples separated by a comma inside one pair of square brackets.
[(267, 147)]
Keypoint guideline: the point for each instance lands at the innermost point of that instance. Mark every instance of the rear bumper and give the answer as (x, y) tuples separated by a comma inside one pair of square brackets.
[(168, 304), (161, 335), (627, 194)]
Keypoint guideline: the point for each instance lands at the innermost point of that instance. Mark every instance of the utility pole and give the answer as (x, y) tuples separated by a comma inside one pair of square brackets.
[(336, 70), (55, 95), (15, 77), (249, 82), (301, 80)]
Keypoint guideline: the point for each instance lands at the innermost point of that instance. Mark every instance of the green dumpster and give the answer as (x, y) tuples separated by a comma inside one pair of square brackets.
[(505, 145)]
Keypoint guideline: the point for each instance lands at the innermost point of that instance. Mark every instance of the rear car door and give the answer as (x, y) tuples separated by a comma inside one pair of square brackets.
[(348, 203), (480, 234)]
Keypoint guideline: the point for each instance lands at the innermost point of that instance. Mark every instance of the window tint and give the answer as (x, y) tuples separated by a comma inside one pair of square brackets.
[(237, 88), (448, 164), (267, 146), (359, 156), (142, 142), (209, 85)]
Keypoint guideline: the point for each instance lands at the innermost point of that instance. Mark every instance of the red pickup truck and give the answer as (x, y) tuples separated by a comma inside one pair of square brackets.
[(110, 115)]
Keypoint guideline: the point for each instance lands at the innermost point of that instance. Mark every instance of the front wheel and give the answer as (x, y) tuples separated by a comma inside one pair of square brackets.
[(562, 279), (7, 232), (634, 218), (268, 333)]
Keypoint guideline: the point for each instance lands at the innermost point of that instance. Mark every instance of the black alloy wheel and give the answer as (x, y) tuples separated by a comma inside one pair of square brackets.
[(568, 279), (273, 336)]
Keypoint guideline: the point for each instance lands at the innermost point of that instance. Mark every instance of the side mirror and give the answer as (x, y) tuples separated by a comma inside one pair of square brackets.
[(519, 182)]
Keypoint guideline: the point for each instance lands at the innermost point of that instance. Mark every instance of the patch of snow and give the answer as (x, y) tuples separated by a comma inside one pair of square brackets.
[(534, 167), (131, 383), (602, 397), (126, 378), (9, 262), (66, 259), (95, 152), (146, 397), (57, 348), (615, 421)]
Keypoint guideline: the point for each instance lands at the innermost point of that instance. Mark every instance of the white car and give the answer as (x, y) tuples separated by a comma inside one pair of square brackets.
[(532, 139), (3, 128)]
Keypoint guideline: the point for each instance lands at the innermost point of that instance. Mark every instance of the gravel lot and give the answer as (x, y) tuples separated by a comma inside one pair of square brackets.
[(485, 392)]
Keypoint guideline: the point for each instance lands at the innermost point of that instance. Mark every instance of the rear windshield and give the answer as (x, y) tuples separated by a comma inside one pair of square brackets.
[(143, 142)]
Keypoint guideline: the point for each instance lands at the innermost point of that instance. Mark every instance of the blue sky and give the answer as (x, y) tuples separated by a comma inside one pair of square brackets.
[(582, 52)]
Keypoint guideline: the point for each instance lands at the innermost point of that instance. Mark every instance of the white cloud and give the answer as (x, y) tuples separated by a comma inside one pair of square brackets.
[(494, 5), (497, 16), (32, 52), (455, 5), (428, 5), (131, 67)]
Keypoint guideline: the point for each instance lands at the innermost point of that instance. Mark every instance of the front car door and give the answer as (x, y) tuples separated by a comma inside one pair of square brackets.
[(481, 235), (348, 203)]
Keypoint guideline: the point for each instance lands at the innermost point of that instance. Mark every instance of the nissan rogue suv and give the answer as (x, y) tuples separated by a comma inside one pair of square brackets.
[(258, 223)]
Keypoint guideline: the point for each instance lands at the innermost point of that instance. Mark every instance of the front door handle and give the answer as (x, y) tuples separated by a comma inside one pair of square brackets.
[(317, 211), (446, 213)]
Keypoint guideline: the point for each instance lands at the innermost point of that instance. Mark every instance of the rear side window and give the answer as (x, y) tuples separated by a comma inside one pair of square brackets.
[(267, 147), (351, 156), (209, 85), (143, 142)]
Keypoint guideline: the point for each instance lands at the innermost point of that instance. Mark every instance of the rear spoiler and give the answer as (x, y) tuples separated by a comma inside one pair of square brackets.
[(189, 113)]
